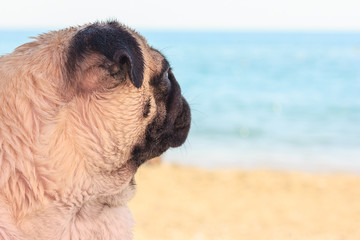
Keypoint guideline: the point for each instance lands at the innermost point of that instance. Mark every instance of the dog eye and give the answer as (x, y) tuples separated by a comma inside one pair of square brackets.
[(166, 78)]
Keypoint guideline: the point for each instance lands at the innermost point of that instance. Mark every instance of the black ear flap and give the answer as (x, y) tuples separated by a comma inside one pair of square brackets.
[(134, 69), (115, 42)]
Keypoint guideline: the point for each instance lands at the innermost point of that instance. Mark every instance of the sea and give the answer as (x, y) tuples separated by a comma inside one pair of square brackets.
[(261, 99)]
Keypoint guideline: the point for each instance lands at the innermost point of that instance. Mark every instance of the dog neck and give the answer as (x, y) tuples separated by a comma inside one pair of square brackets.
[(93, 220)]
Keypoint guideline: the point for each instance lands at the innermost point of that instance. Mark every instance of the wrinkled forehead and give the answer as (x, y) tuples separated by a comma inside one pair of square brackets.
[(156, 56), (159, 60)]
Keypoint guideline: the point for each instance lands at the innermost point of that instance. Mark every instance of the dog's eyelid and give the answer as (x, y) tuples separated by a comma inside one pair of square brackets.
[(167, 72), (166, 76)]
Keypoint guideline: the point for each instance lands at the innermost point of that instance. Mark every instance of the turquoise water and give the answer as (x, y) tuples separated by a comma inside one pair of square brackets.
[(263, 99)]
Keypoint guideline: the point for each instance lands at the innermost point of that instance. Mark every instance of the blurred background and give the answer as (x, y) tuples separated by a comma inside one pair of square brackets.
[(272, 85)]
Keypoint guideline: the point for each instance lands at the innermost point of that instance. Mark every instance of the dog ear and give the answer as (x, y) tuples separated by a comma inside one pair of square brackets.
[(114, 42), (134, 65)]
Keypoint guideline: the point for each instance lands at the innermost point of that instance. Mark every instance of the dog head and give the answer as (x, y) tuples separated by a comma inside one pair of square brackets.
[(97, 102), (126, 105), (146, 109)]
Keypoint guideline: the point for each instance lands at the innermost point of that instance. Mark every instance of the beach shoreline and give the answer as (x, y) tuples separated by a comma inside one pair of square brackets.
[(177, 202)]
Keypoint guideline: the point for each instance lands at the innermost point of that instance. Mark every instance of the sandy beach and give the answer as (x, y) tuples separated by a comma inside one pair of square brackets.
[(182, 203)]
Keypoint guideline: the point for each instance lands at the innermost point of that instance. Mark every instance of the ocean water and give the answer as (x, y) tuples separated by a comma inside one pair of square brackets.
[(280, 100)]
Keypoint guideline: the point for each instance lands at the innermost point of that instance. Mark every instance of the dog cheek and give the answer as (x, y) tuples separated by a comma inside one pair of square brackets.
[(89, 81)]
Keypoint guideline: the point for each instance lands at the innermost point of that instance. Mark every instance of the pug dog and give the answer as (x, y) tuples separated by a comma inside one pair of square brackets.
[(81, 109)]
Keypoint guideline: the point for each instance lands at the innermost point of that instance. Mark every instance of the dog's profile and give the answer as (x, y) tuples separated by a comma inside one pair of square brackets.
[(80, 110)]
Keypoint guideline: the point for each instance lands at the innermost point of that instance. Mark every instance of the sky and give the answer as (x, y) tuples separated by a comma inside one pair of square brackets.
[(325, 15)]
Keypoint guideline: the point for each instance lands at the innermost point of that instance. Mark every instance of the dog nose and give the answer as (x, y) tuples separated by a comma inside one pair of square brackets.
[(175, 101)]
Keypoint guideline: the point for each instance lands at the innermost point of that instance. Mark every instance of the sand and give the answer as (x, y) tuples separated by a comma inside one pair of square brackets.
[(184, 203)]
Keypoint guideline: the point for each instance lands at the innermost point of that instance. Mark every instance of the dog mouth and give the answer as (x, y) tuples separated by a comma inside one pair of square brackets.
[(171, 132), (181, 126), (159, 138)]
